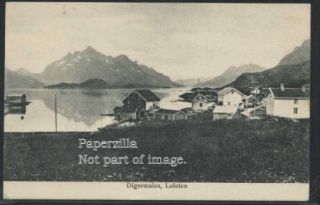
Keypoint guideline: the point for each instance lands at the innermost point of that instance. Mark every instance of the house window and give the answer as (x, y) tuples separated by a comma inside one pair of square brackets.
[(229, 103), (295, 110), (200, 104), (295, 101)]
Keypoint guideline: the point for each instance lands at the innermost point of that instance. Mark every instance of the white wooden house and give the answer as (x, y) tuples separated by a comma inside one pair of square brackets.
[(201, 103), (288, 102), (230, 96)]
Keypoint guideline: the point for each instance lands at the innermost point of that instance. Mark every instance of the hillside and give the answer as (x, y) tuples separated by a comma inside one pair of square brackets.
[(293, 70), (14, 79), (298, 55), (290, 75), (258, 151), (230, 75), (116, 71)]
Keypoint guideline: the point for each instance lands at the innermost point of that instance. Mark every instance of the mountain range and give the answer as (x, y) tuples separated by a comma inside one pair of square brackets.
[(117, 71), (92, 69), (230, 75)]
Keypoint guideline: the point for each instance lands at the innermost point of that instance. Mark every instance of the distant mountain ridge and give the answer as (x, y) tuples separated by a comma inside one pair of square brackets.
[(293, 70), (231, 74), (116, 71), (14, 79), (25, 72)]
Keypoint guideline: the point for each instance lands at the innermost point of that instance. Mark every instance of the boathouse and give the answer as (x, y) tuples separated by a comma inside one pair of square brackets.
[(136, 104)]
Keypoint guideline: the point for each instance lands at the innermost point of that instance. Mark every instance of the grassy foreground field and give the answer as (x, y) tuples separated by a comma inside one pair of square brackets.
[(269, 150)]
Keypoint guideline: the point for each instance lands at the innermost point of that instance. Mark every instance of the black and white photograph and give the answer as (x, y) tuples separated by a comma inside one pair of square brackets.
[(163, 101)]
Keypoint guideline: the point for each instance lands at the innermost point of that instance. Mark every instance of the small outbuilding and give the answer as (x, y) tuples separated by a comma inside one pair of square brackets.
[(166, 114), (225, 112)]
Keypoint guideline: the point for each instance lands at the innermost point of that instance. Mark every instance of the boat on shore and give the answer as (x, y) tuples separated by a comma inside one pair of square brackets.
[(16, 100), (15, 104)]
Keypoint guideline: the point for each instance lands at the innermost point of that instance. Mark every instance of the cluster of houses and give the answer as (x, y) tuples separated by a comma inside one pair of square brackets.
[(227, 103)]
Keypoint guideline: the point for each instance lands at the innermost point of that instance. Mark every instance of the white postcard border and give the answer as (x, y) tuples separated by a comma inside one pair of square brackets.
[(120, 191)]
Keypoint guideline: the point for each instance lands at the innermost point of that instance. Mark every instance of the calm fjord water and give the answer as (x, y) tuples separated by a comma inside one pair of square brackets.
[(78, 110)]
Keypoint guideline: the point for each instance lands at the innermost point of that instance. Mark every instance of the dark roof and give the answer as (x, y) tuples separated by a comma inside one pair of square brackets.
[(203, 89), (290, 93), (189, 96), (167, 111), (148, 95)]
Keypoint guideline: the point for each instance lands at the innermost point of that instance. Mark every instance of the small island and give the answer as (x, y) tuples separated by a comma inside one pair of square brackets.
[(98, 83)]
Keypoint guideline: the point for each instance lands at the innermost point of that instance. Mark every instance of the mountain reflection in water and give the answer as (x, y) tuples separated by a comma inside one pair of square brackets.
[(78, 110)]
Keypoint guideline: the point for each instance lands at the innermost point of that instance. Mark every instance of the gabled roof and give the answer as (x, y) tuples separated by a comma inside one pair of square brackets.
[(147, 95), (226, 90), (199, 94), (294, 93), (225, 109), (189, 96)]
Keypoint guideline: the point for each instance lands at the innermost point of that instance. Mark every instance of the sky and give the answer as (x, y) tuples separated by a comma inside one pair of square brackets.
[(181, 40)]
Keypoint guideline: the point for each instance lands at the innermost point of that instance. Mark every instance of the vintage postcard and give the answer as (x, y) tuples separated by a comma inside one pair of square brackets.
[(157, 101)]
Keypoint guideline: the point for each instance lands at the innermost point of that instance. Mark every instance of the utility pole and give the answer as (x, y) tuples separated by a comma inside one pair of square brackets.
[(55, 113)]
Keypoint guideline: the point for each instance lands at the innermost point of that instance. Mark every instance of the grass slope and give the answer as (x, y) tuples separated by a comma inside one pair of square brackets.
[(270, 150)]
